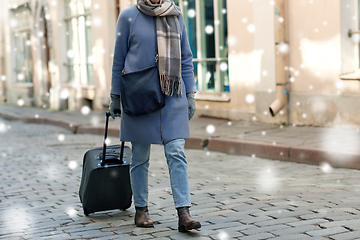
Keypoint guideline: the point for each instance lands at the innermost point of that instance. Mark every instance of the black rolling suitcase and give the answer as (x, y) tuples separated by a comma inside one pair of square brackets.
[(105, 184)]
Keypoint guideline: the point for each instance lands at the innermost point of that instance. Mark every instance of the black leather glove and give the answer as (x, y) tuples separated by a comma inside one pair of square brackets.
[(114, 106), (191, 104)]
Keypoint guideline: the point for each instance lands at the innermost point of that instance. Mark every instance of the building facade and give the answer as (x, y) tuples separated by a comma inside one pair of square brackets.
[(279, 61)]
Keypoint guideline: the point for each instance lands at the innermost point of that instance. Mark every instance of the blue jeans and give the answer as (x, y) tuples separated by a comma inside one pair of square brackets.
[(176, 160)]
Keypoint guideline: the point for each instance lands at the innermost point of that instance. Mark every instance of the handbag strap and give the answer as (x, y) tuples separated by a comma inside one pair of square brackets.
[(156, 45)]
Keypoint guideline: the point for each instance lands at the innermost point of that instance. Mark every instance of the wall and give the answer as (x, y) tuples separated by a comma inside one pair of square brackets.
[(57, 58), (320, 51), (2, 57), (103, 35)]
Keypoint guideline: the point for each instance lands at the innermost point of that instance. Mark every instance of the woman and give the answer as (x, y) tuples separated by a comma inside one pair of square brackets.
[(135, 50)]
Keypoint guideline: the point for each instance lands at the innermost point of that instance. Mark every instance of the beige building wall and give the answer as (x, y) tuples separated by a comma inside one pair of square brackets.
[(103, 37), (320, 51), (2, 56), (58, 58)]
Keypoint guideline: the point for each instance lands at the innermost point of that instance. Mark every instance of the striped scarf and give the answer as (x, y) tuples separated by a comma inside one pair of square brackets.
[(168, 38)]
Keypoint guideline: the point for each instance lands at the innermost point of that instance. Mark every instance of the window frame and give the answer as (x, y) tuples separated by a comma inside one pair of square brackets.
[(200, 60), (355, 73), (69, 64), (25, 27)]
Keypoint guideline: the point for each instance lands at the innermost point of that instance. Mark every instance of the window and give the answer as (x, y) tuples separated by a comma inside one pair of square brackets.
[(22, 44), (78, 40), (353, 32), (206, 22)]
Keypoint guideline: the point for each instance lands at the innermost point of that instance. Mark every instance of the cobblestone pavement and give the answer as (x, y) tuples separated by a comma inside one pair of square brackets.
[(233, 196)]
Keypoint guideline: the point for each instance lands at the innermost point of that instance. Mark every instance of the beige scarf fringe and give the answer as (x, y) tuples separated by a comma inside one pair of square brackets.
[(168, 36)]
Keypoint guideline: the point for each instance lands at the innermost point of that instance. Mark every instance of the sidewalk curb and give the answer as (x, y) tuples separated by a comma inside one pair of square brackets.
[(249, 148), (288, 153), (296, 154)]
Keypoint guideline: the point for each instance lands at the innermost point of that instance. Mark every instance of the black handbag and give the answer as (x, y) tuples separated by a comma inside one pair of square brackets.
[(140, 91)]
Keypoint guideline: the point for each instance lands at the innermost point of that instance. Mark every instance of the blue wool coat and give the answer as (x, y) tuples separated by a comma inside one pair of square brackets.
[(135, 49)]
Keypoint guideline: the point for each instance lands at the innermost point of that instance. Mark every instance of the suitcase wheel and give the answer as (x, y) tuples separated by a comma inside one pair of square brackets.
[(86, 212), (123, 209)]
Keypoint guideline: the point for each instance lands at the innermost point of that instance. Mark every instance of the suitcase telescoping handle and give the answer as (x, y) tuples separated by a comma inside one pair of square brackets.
[(105, 137)]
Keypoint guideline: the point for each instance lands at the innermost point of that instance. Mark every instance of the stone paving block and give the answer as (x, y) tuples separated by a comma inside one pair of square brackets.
[(346, 236), (227, 235), (327, 231), (285, 214), (72, 228), (311, 216), (45, 225), (120, 222), (12, 238), (125, 229), (164, 233), (35, 231), (42, 234), (342, 217), (295, 230), (111, 229), (136, 237), (142, 231), (276, 221), (115, 237), (258, 236), (271, 229), (56, 237), (162, 238), (254, 220), (354, 226), (254, 207), (226, 225), (215, 219), (342, 223), (90, 234), (294, 237), (190, 234), (11, 235)]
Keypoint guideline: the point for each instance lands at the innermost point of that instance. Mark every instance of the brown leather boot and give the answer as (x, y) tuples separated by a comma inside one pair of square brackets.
[(142, 218), (186, 222)]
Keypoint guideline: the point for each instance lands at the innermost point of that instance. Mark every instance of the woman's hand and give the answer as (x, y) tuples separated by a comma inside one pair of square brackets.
[(114, 106), (191, 104)]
